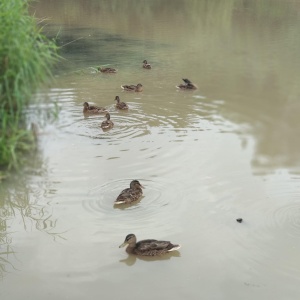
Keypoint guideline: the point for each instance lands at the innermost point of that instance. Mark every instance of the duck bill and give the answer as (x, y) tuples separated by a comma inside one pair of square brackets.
[(123, 245)]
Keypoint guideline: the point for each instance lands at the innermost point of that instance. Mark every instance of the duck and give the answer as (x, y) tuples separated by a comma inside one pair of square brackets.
[(107, 70), (92, 109), (146, 65), (187, 86), (147, 247), (131, 194), (120, 105), (133, 88), (107, 124)]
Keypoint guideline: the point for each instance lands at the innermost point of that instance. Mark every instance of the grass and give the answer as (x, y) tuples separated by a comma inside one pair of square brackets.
[(26, 58)]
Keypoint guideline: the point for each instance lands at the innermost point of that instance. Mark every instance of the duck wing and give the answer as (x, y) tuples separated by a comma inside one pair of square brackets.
[(123, 105), (131, 87), (96, 108), (128, 195), (146, 245), (107, 124)]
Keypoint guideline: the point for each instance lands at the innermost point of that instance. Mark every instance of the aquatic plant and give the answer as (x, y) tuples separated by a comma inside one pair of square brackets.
[(26, 57)]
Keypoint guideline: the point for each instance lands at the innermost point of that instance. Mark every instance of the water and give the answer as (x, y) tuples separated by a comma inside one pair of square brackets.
[(229, 149)]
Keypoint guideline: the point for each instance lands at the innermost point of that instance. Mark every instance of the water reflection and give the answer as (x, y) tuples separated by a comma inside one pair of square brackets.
[(25, 205), (131, 259), (280, 149), (6, 249)]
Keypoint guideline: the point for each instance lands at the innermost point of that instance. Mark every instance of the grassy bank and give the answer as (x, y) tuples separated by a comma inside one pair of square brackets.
[(26, 57)]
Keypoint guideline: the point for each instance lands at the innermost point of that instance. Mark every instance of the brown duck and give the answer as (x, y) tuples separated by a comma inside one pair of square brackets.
[(147, 247), (133, 88), (188, 85), (146, 65), (131, 194), (92, 109), (107, 70), (107, 124), (120, 105)]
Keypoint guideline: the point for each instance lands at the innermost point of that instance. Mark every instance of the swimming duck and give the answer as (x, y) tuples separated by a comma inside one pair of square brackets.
[(133, 88), (146, 65), (147, 247), (131, 194), (107, 124), (107, 70), (120, 105), (187, 86), (92, 109)]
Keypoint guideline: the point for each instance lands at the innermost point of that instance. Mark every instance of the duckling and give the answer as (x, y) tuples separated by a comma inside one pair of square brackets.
[(107, 124), (146, 65), (131, 194), (133, 88), (147, 247), (120, 105), (187, 86), (107, 70), (92, 109)]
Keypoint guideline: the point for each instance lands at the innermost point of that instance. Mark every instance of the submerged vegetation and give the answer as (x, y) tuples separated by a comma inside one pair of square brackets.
[(26, 57)]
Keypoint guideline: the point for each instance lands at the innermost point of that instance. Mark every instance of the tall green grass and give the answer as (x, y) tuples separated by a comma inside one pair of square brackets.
[(26, 58)]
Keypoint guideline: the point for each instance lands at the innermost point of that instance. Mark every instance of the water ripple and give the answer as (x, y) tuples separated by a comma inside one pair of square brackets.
[(288, 219), (149, 212)]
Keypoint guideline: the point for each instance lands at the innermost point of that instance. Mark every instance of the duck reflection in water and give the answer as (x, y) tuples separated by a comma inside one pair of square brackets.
[(130, 260)]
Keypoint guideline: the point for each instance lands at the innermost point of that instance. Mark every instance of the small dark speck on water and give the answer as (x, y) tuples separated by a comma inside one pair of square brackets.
[(240, 220)]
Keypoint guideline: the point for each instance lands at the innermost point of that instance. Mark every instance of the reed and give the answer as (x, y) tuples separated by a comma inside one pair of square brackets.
[(26, 58)]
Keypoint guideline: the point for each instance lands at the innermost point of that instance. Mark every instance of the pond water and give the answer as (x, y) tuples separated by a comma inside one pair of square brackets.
[(228, 150)]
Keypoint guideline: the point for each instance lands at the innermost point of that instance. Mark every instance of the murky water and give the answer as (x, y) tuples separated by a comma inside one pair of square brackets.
[(206, 157)]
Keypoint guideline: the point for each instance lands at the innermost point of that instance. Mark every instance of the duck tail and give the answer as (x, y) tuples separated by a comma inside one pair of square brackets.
[(118, 202), (174, 248)]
